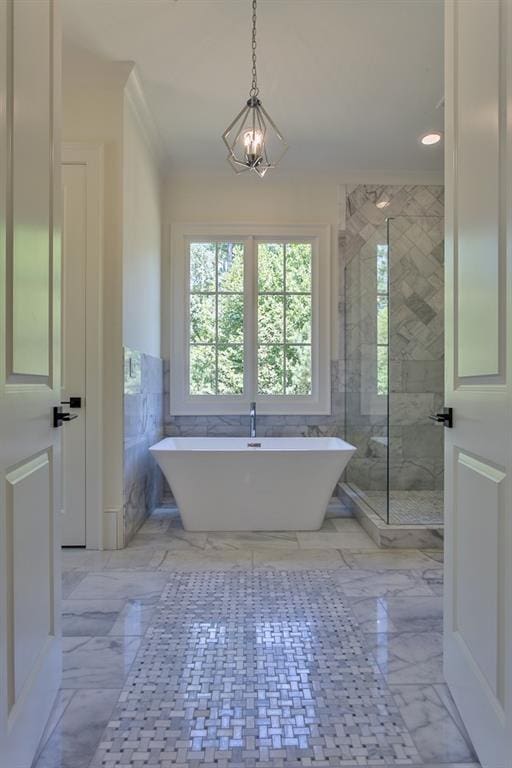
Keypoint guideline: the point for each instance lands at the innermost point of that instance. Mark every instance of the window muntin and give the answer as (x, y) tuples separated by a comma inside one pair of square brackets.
[(285, 318), (216, 318)]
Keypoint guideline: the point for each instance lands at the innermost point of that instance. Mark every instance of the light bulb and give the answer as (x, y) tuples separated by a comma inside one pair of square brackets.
[(431, 138), (253, 143)]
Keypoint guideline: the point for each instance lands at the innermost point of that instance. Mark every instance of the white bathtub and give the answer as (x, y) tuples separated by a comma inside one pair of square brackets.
[(252, 484)]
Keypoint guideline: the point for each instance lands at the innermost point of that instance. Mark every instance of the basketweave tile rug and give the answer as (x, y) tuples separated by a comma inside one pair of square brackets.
[(253, 670)]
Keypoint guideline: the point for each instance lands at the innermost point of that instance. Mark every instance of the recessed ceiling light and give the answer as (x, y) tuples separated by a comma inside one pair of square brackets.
[(382, 204), (431, 138)]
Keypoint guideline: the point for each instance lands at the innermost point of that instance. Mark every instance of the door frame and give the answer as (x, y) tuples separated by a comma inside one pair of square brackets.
[(91, 157)]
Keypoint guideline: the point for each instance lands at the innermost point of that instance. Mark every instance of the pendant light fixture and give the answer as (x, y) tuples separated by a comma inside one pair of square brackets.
[(253, 140)]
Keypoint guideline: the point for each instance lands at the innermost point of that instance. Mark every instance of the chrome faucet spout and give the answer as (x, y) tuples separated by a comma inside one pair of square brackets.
[(252, 420)]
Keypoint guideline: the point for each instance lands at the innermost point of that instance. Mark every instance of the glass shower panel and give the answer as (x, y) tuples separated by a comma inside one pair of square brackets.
[(416, 369), (367, 369)]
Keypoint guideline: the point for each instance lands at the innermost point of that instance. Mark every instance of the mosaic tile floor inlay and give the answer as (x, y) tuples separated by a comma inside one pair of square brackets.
[(255, 670)]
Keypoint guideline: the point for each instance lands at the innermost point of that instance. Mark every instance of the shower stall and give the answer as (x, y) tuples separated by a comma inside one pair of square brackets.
[(394, 347)]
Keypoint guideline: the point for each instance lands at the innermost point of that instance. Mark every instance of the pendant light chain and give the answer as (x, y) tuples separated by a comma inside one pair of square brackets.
[(254, 87), (253, 140)]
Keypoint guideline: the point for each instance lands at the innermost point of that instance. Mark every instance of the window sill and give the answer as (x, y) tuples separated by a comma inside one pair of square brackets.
[(242, 407)]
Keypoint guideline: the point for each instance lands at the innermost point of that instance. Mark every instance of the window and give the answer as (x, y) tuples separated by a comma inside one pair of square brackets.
[(250, 321)]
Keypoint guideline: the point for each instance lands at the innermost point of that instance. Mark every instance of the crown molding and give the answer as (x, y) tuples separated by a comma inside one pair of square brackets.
[(136, 99)]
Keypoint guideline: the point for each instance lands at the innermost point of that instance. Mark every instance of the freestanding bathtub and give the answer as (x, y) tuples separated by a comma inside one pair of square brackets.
[(252, 484)]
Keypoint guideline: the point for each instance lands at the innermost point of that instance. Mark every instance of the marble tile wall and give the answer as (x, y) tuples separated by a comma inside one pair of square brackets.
[(143, 426), (416, 336)]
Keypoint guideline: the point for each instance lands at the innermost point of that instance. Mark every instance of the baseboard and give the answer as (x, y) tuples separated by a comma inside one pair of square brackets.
[(112, 529)]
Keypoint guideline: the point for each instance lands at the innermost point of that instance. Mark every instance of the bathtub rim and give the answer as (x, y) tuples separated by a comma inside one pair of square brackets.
[(241, 445)]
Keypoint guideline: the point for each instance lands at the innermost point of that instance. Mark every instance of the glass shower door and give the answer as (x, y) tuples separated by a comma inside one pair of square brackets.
[(367, 371), (416, 369)]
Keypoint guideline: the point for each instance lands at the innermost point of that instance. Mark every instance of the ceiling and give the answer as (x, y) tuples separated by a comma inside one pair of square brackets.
[(351, 83)]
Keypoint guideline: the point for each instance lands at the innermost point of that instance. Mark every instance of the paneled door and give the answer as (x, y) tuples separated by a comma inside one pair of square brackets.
[(478, 459), (30, 653)]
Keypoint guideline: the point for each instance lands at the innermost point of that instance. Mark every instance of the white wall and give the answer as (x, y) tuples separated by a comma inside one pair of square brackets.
[(141, 230)]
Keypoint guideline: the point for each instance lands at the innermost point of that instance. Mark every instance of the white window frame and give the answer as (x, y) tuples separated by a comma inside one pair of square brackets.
[(184, 404)]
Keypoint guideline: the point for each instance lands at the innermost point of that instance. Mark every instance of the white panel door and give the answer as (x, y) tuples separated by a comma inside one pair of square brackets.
[(74, 256), (30, 653), (478, 458)]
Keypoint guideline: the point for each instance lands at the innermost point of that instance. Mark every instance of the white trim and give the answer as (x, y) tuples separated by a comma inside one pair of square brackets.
[(135, 98), (320, 401), (91, 156)]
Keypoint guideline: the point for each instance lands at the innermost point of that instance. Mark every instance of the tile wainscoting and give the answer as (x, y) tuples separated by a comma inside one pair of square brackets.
[(143, 426)]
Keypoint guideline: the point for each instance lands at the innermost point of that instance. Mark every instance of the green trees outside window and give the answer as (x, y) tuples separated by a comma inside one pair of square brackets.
[(217, 308)]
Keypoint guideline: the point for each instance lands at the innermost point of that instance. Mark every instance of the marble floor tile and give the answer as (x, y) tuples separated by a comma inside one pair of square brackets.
[(383, 583), (134, 618), (431, 726), (392, 558), (409, 657), (89, 618), (62, 700), (76, 735), (97, 662), (135, 559), (371, 615), (298, 559), (121, 584), (415, 614), (328, 524), (171, 539), (70, 580), (252, 540), (208, 560), (345, 524), (356, 539), (352, 632), (444, 694), (84, 559)]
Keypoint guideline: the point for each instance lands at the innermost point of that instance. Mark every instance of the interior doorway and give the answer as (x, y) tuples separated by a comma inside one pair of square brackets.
[(81, 345)]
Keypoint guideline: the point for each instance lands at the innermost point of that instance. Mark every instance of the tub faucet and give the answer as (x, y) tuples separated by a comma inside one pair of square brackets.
[(252, 420)]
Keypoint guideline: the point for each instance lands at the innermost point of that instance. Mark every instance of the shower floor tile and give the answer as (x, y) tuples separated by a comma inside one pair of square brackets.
[(408, 507), (261, 669)]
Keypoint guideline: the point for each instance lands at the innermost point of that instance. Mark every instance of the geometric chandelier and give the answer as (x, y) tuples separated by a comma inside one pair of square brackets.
[(253, 140)]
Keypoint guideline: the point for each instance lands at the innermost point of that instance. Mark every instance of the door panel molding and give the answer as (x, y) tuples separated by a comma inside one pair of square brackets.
[(478, 376)]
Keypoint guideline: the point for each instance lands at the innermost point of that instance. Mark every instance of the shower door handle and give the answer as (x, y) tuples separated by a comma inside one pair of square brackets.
[(445, 418)]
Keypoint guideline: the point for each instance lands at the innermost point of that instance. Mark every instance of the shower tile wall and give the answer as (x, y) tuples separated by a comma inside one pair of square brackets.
[(143, 426), (415, 331)]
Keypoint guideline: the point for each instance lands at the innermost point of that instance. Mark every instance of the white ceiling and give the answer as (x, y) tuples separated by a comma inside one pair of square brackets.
[(351, 83)]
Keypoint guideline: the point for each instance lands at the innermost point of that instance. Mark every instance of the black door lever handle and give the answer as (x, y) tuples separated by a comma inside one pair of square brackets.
[(59, 416), (445, 418), (73, 402)]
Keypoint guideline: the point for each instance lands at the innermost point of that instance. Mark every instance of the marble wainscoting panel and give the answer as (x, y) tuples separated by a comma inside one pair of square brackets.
[(143, 426), (329, 425)]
